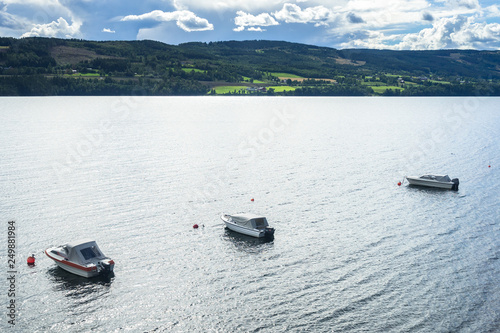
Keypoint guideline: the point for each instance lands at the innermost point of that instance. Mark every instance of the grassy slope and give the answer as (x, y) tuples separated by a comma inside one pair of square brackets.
[(234, 62)]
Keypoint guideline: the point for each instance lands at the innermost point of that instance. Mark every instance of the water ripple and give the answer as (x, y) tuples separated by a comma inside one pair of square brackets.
[(353, 251)]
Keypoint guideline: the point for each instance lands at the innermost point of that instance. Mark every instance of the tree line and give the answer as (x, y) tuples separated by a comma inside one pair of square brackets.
[(39, 66)]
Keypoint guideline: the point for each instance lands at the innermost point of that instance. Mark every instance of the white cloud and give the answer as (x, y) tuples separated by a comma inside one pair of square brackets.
[(229, 5), (458, 32), (259, 29), (389, 24), (384, 13), (40, 10), (386, 5), (492, 11), (11, 21), (39, 3), (243, 20), (437, 37), (178, 4), (291, 13), (48, 18), (60, 28), (186, 20), (470, 4), (368, 39)]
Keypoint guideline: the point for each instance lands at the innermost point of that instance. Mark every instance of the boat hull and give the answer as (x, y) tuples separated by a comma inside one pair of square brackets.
[(245, 231), (267, 233), (77, 271), (86, 271), (430, 183)]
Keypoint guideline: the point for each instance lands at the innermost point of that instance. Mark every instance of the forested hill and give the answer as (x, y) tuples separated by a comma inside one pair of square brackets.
[(48, 66), (317, 61)]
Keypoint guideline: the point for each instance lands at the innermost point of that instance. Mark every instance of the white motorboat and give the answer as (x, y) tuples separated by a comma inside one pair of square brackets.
[(83, 258), (437, 181), (249, 224)]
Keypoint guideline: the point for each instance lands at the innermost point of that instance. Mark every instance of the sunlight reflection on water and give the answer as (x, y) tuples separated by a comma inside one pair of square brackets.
[(352, 250)]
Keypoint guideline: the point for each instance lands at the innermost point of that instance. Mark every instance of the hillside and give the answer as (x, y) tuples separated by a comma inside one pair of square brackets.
[(47, 66)]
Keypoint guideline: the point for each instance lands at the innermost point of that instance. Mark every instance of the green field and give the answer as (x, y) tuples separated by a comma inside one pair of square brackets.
[(82, 75), (230, 89), (279, 89), (87, 74), (247, 79), (373, 84), (440, 82), (27, 66), (196, 70), (382, 89), (188, 69), (292, 76)]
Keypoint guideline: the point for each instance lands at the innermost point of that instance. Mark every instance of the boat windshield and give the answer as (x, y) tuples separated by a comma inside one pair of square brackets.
[(260, 223), (439, 178), (89, 253)]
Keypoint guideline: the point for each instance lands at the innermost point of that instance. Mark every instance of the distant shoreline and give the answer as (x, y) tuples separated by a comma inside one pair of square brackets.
[(62, 67)]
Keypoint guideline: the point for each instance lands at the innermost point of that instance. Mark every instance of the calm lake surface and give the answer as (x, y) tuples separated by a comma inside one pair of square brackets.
[(353, 251)]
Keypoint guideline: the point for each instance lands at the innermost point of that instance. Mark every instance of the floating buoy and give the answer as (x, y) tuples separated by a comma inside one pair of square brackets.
[(489, 166), (31, 260), (195, 226), (251, 200), (399, 183)]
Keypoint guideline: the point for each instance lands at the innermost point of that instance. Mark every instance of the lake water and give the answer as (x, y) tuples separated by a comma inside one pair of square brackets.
[(353, 251)]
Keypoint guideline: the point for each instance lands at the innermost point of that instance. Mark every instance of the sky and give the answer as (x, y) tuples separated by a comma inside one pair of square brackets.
[(376, 24)]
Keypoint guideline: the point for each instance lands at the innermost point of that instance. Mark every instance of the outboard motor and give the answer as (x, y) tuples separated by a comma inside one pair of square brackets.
[(269, 233), (455, 182), (105, 267)]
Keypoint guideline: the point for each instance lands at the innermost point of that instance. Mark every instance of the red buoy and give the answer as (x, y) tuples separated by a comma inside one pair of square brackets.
[(489, 166), (399, 184), (195, 226), (31, 260), (251, 200)]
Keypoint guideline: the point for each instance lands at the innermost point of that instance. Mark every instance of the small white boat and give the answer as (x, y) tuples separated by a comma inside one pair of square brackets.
[(249, 224), (437, 181), (83, 258)]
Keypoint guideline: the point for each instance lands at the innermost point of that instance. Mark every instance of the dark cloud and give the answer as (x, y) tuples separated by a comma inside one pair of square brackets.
[(7, 21), (470, 4), (353, 18), (426, 16), (361, 34)]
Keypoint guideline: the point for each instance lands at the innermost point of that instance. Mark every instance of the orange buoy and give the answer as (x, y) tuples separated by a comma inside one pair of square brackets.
[(195, 226), (31, 260)]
